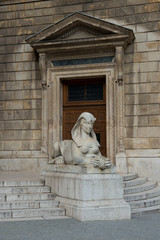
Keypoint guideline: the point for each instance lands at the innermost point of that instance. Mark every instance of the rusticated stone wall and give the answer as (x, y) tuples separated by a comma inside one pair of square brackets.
[(20, 84)]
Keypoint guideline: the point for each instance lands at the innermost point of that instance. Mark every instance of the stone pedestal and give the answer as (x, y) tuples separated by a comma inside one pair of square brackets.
[(88, 194)]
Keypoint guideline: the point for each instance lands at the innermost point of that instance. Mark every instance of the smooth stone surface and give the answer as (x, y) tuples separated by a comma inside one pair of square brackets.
[(89, 197)]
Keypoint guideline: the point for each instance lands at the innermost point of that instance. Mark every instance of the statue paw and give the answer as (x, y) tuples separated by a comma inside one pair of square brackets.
[(58, 161)]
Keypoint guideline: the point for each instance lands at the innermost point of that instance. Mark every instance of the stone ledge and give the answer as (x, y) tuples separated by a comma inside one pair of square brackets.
[(50, 169)]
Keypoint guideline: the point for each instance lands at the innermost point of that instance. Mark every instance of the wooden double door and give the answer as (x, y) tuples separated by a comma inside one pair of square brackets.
[(85, 95)]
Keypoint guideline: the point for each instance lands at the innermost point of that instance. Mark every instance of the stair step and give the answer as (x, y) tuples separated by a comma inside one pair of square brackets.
[(145, 203), (143, 195), (34, 218), (140, 211), (140, 188), (31, 213), (135, 182), (30, 197), (21, 190), (43, 212), (29, 204), (23, 183), (129, 176)]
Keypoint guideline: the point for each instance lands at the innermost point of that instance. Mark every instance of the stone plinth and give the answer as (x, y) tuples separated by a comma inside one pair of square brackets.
[(88, 196)]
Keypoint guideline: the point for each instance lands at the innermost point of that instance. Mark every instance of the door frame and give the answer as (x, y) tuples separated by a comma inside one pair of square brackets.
[(55, 101)]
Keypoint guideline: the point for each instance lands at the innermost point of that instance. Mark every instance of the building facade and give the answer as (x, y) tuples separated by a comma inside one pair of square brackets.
[(60, 58)]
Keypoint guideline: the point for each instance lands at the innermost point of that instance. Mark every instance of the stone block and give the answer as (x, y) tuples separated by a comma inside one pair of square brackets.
[(19, 95), (143, 121), (130, 67), (140, 57), (31, 145), (154, 98), (153, 16), (32, 124), (23, 134), (137, 143), (23, 76), (37, 93), (149, 132), (7, 76), (8, 135), (154, 56), (142, 88), (130, 110), (85, 198), (2, 86), (6, 115), (142, 109), (13, 145), (2, 106), (131, 121), (147, 47), (131, 99), (14, 104), (5, 214), (12, 125), (124, 11), (136, 2), (154, 120), (36, 134), (146, 27), (153, 109), (131, 132), (1, 125), (153, 36), (131, 88), (1, 145), (134, 19), (16, 85), (6, 95), (148, 67), (27, 94), (147, 8)]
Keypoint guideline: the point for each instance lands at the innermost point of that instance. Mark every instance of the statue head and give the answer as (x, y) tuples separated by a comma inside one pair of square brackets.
[(84, 123)]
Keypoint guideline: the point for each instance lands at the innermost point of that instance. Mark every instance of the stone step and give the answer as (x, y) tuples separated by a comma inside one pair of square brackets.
[(23, 183), (30, 197), (134, 182), (145, 210), (43, 212), (145, 203), (143, 195), (31, 213), (140, 188), (29, 204), (129, 176), (21, 190), (34, 218)]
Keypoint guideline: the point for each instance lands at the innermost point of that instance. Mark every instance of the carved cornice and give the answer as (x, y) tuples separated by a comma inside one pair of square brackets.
[(60, 37)]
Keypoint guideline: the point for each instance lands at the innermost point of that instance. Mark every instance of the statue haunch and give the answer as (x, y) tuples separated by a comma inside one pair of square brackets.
[(83, 149)]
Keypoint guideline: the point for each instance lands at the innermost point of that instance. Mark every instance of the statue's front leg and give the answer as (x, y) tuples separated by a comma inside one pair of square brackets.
[(58, 160)]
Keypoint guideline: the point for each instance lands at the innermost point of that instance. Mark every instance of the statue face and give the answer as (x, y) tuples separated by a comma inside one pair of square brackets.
[(86, 126)]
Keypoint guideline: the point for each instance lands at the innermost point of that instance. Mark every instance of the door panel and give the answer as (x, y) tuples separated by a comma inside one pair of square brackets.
[(72, 108)]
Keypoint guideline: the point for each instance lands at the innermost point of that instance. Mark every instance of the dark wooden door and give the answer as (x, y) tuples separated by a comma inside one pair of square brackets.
[(85, 95)]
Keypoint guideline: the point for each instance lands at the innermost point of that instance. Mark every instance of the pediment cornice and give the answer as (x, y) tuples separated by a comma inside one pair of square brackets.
[(80, 31)]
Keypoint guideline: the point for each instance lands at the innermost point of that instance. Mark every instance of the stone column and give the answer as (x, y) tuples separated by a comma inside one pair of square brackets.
[(121, 162), (43, 70)]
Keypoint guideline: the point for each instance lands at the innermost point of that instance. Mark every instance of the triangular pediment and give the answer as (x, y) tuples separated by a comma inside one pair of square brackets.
[(79, 27)]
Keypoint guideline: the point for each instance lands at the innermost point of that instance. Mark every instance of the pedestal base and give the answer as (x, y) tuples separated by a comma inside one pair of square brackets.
[(89, 196)]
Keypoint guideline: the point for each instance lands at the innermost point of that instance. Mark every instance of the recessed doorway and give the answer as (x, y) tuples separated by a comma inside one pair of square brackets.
[(85, 95)]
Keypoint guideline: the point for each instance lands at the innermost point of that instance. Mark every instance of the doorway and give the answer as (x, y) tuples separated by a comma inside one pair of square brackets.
[(85, 95)]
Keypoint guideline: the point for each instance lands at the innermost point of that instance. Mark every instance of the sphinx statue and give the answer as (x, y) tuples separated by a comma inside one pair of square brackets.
[(83, 149)]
